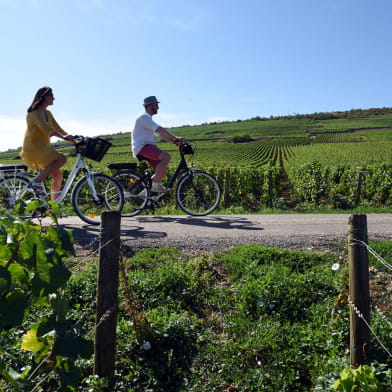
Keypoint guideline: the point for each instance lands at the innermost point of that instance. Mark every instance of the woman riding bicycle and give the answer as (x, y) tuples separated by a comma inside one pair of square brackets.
[(144, 145), (36, 150)]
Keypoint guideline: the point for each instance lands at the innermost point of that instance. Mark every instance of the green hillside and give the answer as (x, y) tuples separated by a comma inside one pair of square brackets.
[(288, 160)]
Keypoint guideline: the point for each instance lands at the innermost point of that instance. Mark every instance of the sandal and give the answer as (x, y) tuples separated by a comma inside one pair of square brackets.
[(39, 189)]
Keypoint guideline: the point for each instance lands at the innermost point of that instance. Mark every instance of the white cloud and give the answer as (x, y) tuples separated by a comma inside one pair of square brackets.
[(193, 17), (96, 127), (191, 23), (170, 120), (86, 5), (12, 129), (218, 119)]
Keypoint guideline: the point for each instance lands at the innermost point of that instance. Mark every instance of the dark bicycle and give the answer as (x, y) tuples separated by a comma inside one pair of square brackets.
[(197, 193)]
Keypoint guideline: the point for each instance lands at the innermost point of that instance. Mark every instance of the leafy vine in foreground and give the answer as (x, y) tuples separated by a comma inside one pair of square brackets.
[(32, 278)]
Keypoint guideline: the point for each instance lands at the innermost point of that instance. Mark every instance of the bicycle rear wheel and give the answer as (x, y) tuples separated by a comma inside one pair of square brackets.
[(198, 193), (109, 197), (135, 193), (14, 188)]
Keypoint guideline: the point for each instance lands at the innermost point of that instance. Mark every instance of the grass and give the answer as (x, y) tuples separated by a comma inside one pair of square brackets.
[(250, 318)]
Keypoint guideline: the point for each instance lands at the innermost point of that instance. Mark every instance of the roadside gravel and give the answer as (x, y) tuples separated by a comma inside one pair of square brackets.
[(203, 245), (218, 232)]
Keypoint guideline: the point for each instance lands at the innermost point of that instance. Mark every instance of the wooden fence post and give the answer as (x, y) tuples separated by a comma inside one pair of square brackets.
[(359, 188), (227, 189), (107, 295), (358, 290)]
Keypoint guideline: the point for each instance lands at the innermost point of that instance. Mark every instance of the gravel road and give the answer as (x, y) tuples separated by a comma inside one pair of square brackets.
[(216, 232)]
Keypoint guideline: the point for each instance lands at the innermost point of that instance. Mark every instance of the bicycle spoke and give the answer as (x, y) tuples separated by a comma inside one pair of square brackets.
[(198, 194), (135, 194), (108, 197), (13, 189)]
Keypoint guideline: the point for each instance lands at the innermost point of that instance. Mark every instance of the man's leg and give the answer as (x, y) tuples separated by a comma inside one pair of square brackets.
[(159, 160), (161, 167)]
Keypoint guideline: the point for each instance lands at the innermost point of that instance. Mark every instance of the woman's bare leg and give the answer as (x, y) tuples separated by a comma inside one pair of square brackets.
[(53, 170), (56, 184)]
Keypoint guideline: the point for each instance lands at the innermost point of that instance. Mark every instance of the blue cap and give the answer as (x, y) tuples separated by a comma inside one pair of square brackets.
[(150, 100)]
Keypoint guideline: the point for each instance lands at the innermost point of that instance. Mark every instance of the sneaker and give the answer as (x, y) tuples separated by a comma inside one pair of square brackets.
[(158, 187), (142, 194)]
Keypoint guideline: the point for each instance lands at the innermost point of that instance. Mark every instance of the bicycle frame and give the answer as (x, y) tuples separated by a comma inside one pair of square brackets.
[(79, 166), (181, 168)]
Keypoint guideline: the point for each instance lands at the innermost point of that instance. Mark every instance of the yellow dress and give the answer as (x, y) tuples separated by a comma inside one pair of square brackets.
[(36, 150)]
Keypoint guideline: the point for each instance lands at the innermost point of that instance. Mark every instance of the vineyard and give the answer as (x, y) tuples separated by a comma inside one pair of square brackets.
[(217, 321), (289, 161)]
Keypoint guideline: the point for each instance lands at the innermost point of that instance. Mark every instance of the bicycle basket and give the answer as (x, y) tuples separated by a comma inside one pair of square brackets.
[(96, 148), (187, 149)]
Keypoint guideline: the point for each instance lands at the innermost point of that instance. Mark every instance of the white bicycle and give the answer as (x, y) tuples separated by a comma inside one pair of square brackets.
[(91, 194)]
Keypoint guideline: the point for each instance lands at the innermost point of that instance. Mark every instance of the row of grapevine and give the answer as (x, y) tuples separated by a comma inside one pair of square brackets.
[(348, 154), (249, 188), (336, 185), (337, 137)]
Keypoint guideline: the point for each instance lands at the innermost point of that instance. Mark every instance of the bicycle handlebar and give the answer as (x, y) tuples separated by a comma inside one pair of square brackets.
[(187, 148), (79, 139)]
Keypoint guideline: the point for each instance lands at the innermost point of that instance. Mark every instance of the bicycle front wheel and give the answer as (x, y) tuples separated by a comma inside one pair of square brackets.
[(135, 193), (89, 201), (12, 189), (198, 193)]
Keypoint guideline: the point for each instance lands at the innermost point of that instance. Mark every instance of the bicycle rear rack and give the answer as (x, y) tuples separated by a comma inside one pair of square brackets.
[(128, 167), (13, 168)]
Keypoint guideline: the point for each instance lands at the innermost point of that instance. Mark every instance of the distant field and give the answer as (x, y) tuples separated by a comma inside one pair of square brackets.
[(357, 141)]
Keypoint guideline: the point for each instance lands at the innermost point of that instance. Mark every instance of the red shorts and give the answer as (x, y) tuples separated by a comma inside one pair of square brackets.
[(151, 153)]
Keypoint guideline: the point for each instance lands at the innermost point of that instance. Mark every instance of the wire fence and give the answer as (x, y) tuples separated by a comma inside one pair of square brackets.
[(374, 305), (81, 261)]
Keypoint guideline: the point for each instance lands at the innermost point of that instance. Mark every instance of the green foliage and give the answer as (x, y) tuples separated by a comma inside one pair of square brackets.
[(252, 318), (384, 250), (316, 183), (360, 379), (241, 139), (32, 280), (210, 330)]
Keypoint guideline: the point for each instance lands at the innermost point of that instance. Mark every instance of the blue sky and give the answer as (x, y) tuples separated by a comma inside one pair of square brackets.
[(206, 60)]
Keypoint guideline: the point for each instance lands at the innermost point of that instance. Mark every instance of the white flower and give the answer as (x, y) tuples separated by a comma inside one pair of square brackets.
[(146, 346), (335, 266)]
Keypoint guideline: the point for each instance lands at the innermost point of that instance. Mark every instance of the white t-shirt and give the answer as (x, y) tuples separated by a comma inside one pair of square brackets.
[(143, 132)]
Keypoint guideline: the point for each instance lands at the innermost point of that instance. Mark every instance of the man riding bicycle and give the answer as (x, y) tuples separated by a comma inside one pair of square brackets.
[(144, 145)]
